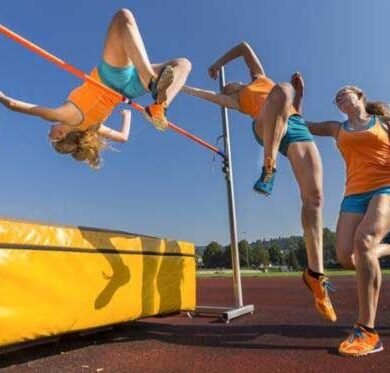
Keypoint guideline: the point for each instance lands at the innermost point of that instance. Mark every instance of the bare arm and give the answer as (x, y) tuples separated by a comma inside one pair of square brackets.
[(118, 136), (241, 50), (299, 85), (217, 98), (49, 114), (328, 128)]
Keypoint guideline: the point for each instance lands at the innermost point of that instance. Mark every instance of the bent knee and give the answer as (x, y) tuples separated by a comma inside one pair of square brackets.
[(313, 198), (346, 260), (185, 63), (364, 241), (125, 15), (282, 93)]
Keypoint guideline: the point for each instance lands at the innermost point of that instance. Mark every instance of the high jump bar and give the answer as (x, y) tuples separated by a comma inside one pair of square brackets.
[(83, 76)]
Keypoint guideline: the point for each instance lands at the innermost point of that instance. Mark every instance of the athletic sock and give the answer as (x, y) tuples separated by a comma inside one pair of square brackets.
[(151, 85), (370, 330), (316, 275)]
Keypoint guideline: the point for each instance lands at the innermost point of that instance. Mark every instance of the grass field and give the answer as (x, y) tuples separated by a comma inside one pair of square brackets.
[(257, 273)]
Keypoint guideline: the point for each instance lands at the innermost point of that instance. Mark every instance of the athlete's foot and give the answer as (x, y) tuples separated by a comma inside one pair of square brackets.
[(361, 342), (155, 114), (266, 181), (319, 288), (159, 85)]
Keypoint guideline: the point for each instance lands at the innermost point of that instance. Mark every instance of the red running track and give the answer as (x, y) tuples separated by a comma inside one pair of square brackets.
[(284, 335)]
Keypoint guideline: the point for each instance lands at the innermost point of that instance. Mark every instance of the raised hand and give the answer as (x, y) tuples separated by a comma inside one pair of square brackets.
[(214, 70), (298, 83)]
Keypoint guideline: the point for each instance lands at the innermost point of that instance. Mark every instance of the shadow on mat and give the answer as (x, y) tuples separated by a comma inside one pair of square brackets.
[(274, 337)]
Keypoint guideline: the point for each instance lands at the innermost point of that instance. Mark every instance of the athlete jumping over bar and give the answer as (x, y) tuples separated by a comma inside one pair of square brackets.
[(79, 127), (278, 125)]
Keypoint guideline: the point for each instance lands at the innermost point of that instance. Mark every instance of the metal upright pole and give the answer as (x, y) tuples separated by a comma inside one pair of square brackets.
[(228, 170), (229, 313)]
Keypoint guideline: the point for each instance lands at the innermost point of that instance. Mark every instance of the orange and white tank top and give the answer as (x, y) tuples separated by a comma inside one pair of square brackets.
[(252, 97), (367, 156)]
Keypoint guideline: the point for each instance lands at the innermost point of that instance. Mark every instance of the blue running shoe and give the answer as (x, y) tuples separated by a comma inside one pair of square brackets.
[(266, 182)]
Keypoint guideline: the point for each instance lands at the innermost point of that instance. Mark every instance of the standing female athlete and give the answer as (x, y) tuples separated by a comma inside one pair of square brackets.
[(364, 219)]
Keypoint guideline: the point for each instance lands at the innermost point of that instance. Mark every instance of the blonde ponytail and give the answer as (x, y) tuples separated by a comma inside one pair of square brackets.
[(82, 146), (378, 108)]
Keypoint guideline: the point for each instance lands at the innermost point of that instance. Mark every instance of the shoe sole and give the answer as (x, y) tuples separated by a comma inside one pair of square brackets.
[(165, 80), (381, 348), (261, 192), (159, 125)]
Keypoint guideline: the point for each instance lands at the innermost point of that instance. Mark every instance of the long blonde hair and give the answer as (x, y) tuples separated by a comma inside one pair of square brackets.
[(82, 146)]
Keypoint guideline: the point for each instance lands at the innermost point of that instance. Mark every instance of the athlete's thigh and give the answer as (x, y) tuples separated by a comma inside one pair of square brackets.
[(306, 163), (345, 237), (376, 221)]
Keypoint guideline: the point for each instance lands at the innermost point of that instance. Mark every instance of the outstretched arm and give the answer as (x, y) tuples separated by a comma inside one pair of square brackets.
[(118, 136), (241, 50), (217, 98), (49, 114), (328, 128)]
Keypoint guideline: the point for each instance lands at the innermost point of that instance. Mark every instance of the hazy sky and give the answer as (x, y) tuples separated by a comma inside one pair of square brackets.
[(163, 184)]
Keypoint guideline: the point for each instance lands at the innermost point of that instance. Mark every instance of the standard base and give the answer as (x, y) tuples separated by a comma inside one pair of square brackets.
[(226, 313)]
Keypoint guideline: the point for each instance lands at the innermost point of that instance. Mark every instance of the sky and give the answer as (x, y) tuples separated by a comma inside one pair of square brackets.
[(162, 184)]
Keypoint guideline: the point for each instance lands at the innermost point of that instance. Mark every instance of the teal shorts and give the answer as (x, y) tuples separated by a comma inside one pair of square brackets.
[(297, 131), (124, 80), (358, 203)]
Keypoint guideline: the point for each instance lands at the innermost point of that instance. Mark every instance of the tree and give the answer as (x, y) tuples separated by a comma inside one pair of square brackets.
[(244, 251), (275, 255), (329, 239), (213, 254), (301, 254), (260, 256), (227, 257), (292, 260)]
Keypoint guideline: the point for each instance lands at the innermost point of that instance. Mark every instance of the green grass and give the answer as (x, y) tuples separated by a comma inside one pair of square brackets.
[(206, 273)]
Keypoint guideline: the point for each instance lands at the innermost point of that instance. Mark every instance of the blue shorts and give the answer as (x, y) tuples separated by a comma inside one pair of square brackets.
[(297, 131), (124, 80), (358, 203)]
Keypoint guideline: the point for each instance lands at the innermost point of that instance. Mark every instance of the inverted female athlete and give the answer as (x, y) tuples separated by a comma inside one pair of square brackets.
[(78, 127)]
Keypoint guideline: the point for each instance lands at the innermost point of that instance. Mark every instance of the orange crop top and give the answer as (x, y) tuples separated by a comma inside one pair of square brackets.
[(252, 97), (95, 103)]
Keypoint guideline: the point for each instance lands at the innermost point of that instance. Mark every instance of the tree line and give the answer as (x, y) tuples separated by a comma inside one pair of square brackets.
[(283, 252)]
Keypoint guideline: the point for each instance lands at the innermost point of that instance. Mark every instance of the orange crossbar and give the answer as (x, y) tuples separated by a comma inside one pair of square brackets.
[(80, 74)]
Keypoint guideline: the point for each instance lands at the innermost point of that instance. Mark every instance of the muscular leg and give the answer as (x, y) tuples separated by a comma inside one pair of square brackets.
[(124, 46), (182, 68), (374, 226), (383, 250), (306, 164), (271, 125), (345, 233)]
